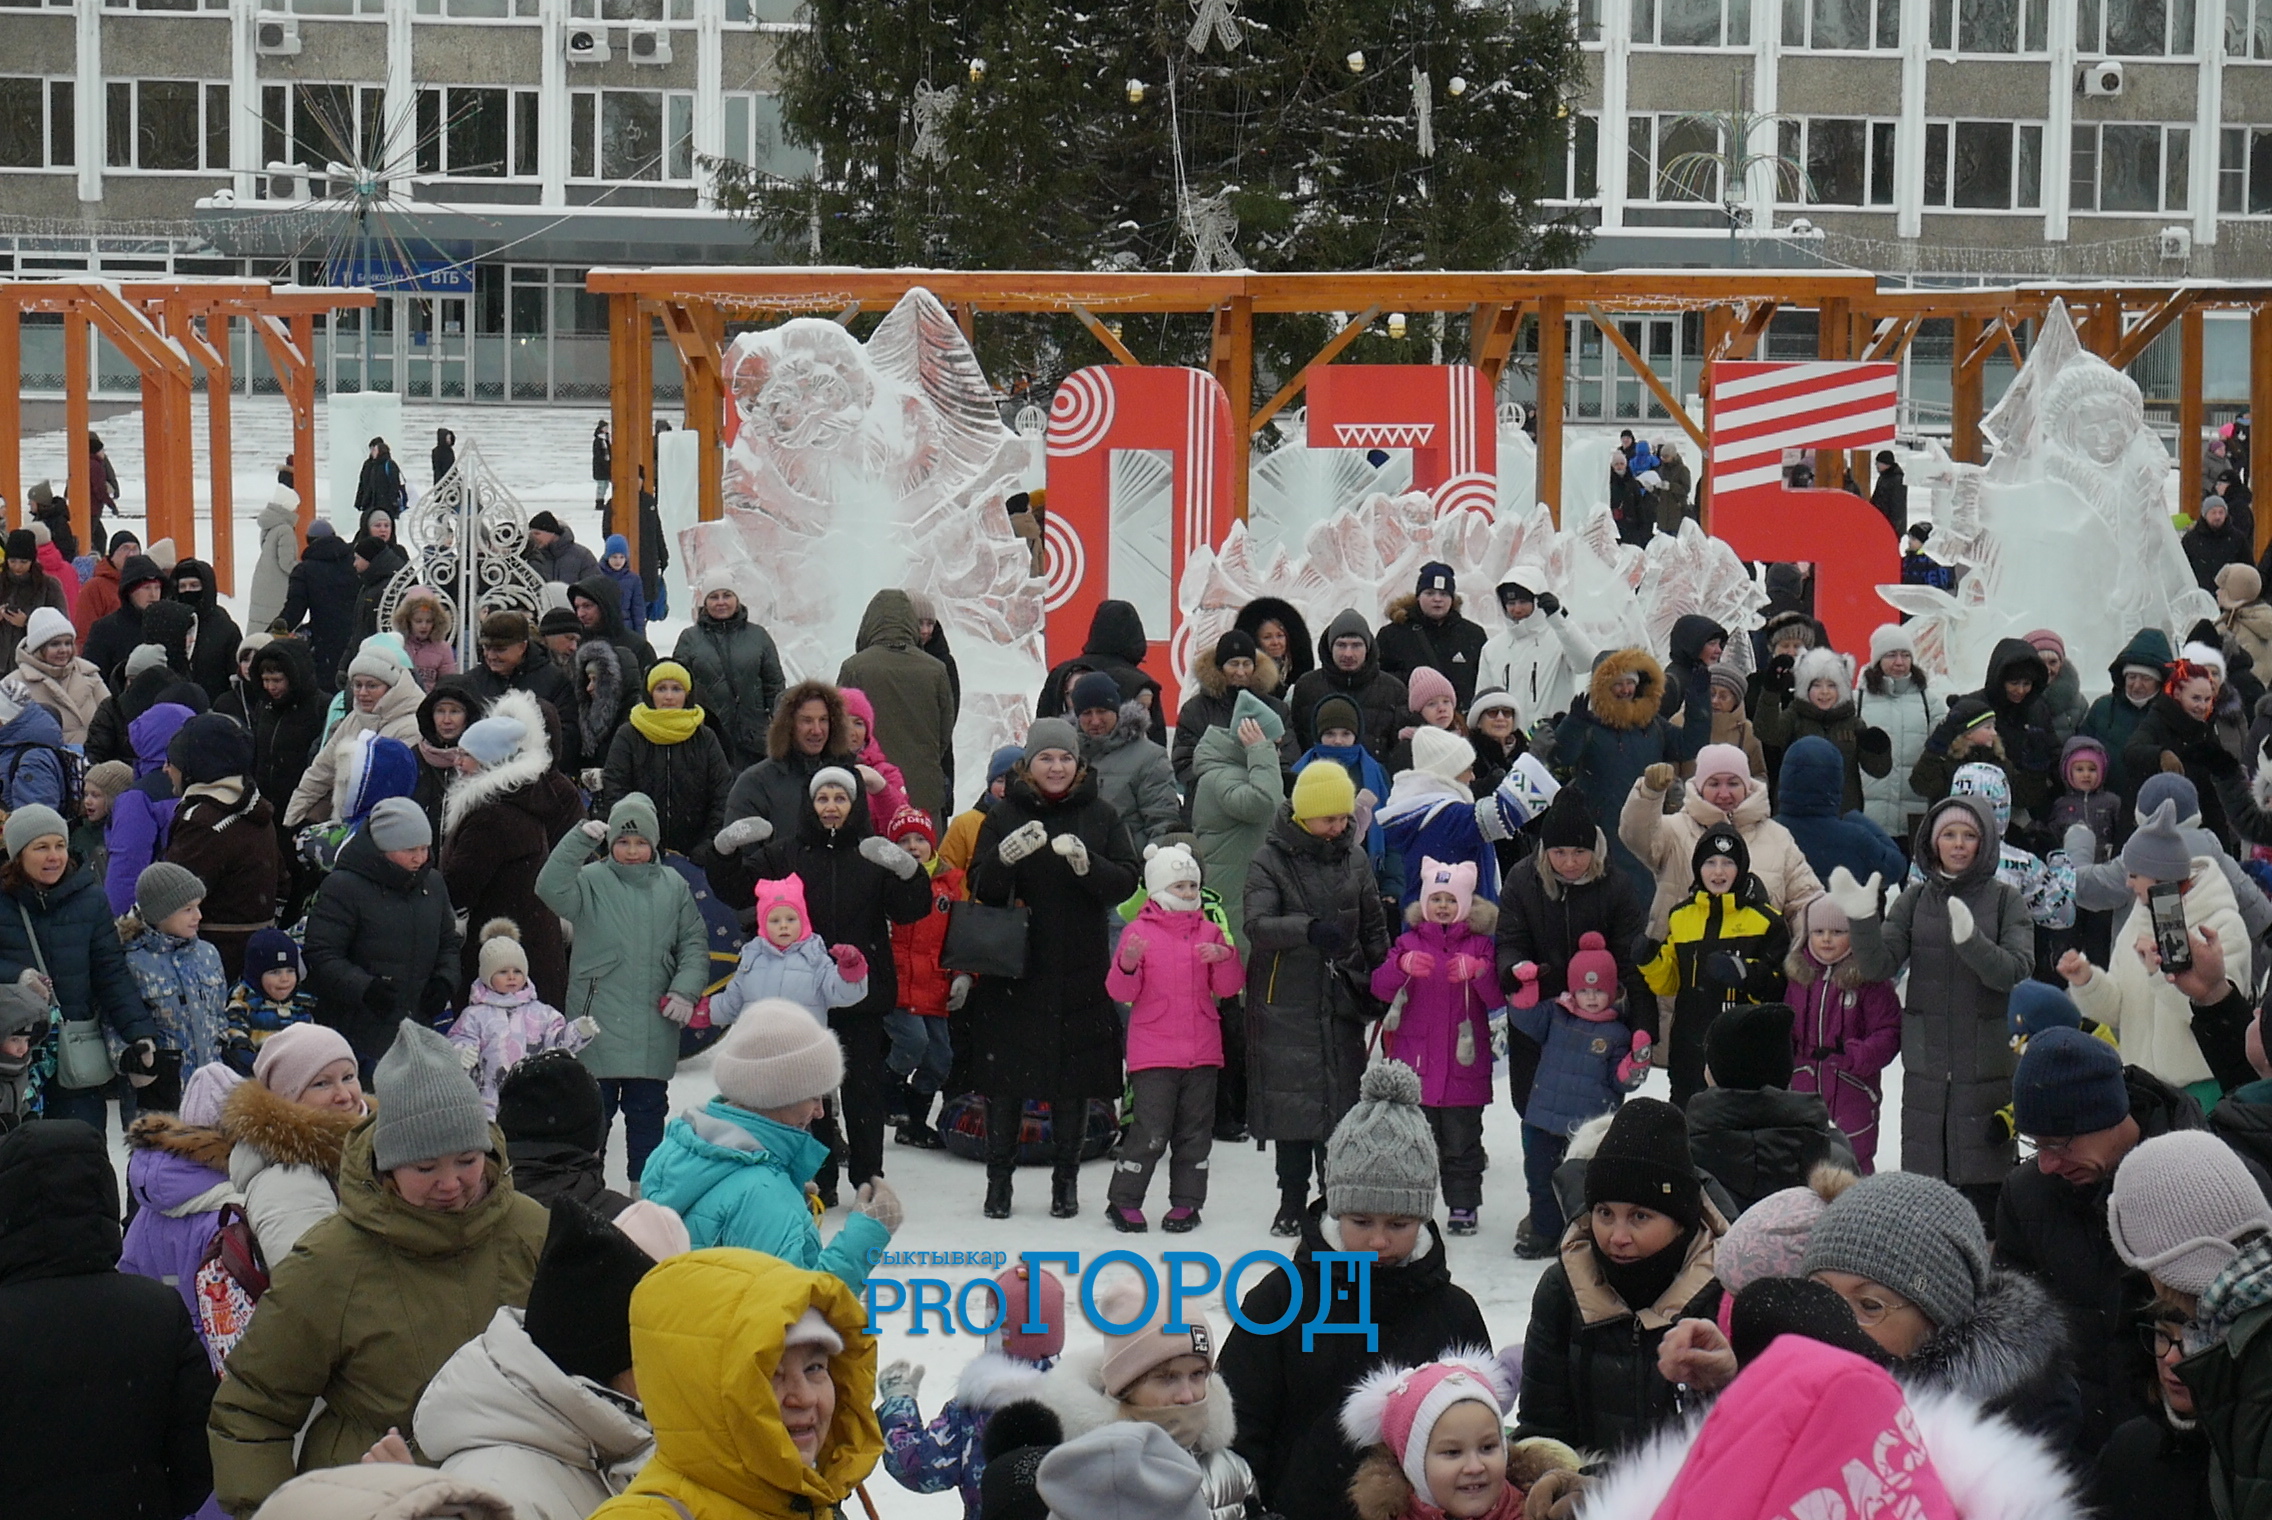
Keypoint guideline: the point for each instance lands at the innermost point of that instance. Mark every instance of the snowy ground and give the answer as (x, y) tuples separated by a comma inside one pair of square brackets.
[(544, 452)]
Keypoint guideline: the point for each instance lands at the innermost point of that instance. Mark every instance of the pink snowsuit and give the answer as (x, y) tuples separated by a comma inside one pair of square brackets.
[(504, 1029), (1426, 1036), (1173, 1022), (1844, 1032)]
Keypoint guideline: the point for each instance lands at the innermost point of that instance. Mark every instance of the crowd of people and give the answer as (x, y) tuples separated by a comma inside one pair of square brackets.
[(370, 953)]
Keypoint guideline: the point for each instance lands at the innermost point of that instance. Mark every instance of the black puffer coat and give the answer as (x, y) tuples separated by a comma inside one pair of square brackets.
[(737, 678), (1757, 1141), (1305, 1015), (214, 661), (1289, 1400), (78, 949), (550, 1170), (2148, 1467), (1541, 919), (321, 593), (548, 683), (370, 590), (372, 920), (108, 1387), (687, 782), (2026, 726), (498, 829), (284, 733), (1453, 647), (2168, 729), (852, 900), (1051, 1033), (1380, 697), (1301, 658)]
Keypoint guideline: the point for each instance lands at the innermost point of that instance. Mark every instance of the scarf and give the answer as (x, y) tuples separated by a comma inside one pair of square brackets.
[(666, 725), (2244, 1284), (1641, 1283), (441, 758), (1184, 1423)]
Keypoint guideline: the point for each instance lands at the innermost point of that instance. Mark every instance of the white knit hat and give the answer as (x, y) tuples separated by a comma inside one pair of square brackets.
[(47, 624), (380, 660), (501, 948), (813, 1329), (1440, 752), (776, 1054), (1891, 638), (2179, 1202), (1164, 866)]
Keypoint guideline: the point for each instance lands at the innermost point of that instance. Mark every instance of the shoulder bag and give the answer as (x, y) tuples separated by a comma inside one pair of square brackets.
[(986, 941), (82, 1056)]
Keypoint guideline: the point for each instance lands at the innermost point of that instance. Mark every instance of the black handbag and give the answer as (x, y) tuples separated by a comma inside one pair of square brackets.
[(986, 941)]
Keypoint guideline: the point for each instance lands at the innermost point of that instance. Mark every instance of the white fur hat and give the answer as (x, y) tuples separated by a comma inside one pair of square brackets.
[(501, 948)]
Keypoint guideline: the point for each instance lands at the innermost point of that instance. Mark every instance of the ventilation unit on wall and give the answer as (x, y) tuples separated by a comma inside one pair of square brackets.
[(587, 44), (2102, 78), (277, 36), (650, 44), (2176, 244)]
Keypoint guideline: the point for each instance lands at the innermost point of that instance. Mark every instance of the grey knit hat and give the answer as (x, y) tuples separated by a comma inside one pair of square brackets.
[(164, 889), (1382, 1157), (144, 657), (2179, 1202), (1052, 733), (26, 824), (1913, 1233), (2158, 850), (400, 824), (428, 1106), (1127, 1470)]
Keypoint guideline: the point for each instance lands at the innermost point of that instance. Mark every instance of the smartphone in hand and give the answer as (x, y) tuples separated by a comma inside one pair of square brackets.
[(2170, 941)]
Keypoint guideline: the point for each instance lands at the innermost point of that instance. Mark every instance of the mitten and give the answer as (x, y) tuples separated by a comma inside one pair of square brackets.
[(1549, 603), (2081, 844), (742, 833), (871, 779), (678, 1009), (1464, 1051), (37, 984), (1465, 968), (1017, 845), (850, 963), (1873, 741), (1556, 1496), (1324, 934), (594, 830), (139, 1062), (1658, 777), (238, 1055), (1857, 900), (591, 778), (1416, 963), (958, 993), (899, 1380), (1633, 1068), (469, 1058), (1212, 953), (1076, 853), (1132, 948), (1960, 921), (586, 1029), (1525, 994), (888, 855), (1780, 674), (1725, 968), (1998, 1128), (876, 1200), (2172, 764)]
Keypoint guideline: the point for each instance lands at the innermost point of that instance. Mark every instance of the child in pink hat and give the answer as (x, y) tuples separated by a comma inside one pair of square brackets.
[(1434, 1445)]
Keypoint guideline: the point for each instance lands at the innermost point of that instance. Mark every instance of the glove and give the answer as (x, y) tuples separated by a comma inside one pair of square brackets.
[(238, 1055), (888, 855), (586, 1029), (899, 1380), (1633, 1069), (678, 1009), (958, 993), (1076, 853), (139, 1062), (871, 779), (469, 1058), (590, 778), (850, 963), (876, 1200), (1465, 968), (1416, 964), (1018, 845), (1213, 954), (1960, 921), (593, 829), (1857, 900), (742, 833), (2172, 764), (1525, 994), (1550, 604), (1873, 741), (1658, 777), (36, 984), (1725, 968), (378, 996), (1998, 1129), (1556, 1496), (1780, 674), (1324, 934)]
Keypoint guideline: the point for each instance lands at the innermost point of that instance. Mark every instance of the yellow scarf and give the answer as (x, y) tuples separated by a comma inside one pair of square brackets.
[(666, 725)]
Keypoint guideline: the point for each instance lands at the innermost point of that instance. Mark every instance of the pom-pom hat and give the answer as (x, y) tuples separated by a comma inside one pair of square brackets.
[(1398, 1407)]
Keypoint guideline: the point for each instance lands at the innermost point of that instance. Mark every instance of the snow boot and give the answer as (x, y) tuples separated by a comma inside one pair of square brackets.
[(896, 1101), (1291, 1207), (1462, 1222), (998, 1193), (1180, 1221), (1532, 1246), (1065, 1192), (1126, 1221)]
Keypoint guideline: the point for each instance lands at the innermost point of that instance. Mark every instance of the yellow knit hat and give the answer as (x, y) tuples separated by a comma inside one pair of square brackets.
[(1323, 790)]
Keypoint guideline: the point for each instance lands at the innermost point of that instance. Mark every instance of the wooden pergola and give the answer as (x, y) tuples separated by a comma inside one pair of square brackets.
[(1856, 320), (169, 329)]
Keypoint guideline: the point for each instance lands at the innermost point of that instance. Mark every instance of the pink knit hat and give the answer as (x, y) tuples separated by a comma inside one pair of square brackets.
[(655, 1229), (1593, 968), (785, 891), (1018, 1293), (1456, 878), (1425, 685), (1722, 760), (1128, 1357), (291, 1058), (1398, 1407), (1770, 1239)]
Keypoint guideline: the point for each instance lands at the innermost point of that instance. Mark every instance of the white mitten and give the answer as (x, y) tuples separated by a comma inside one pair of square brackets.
[(2081, 844), (1855, 899), (742, 833), (876, 1200), (888, 855), (586, 1029), (594, 830), (958, 993), (1466, 1050), (469, 1058), (1017, 846), (1960, 921), (591, 778), (1076, 853)]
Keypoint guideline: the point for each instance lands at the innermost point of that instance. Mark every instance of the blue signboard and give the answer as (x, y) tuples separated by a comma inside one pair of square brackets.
[(422, 276)]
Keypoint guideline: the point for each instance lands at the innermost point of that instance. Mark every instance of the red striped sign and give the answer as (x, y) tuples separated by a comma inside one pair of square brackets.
[(1760, 410)]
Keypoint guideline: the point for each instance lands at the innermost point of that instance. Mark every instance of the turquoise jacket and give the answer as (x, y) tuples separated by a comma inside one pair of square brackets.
[(738, 1179)]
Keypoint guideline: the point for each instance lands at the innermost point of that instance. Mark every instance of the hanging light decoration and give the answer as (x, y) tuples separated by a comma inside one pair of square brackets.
[(1135, 92), (977, 71), (1396, 327), (1457, 86), (1356, 62)]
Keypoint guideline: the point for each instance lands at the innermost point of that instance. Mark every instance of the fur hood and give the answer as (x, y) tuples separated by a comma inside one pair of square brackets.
[(1406, 608), (1074, 1391), (528, 763), (1135, 723), (284, 1132), (1637, 711), (1266, 673), (416, 597), (995, 1378), (1380, 1491), (781, 733), (597, 710), (1804, 970), (1482, 916), (2013, 1340), (164, 1132)]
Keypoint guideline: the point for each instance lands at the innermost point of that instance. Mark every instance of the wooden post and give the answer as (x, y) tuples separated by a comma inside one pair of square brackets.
[(1833, 335), (76, 475), (631, 405), (301, 387), (2260, 403), (1232, 360), (217, 383), (1965, 393), (1553, 354), (2190, 487), (12, 417), (706, 410)]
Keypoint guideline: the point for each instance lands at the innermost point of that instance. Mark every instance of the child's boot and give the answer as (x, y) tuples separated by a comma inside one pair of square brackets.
[(1065, 1191), (998, 1181), (1462, 1222), (1293, 1203), (1180, 1220), (1126, 1221)]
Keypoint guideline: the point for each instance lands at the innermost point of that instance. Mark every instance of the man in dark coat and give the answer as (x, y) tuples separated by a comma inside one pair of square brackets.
[(554, 554), (1428, 629), (809, 732), (224, 831), (321, 594), (913, 698), (1117, 646), (108, 1387), (377, 562), (285, 706), (512, 661), (214, 661), (736, 670), (1348, 662), (140, 584), (598, 605), (382, 938), (1890, 493)]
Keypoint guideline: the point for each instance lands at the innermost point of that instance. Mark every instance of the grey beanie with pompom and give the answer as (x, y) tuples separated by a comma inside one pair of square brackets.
[(1382, 1157)]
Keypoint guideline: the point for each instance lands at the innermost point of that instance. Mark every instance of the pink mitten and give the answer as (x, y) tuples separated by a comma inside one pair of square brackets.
[(1464, 968), (1525, 994), (1416, 963), (1212, 953), (1633, 1069), (850, 963)]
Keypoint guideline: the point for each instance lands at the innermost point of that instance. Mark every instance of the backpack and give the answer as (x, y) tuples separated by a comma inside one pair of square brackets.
[(230, 1281), (70, 762)]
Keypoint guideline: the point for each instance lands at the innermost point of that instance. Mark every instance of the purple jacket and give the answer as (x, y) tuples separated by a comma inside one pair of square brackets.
[(1843, 1033), (178, 1176), (142, 819), (1426, 1036)]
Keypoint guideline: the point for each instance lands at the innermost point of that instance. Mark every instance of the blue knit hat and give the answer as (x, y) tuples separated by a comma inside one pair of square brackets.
[(270, 950), (377, 768), (616, 544), (2034, 1007), (2068, 1083), (998, 764)]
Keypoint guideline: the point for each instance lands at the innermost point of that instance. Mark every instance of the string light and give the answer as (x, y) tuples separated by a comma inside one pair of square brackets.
[(1356, 62), (1457, 86), (977, 71), (1135, 92), (1396, 327)]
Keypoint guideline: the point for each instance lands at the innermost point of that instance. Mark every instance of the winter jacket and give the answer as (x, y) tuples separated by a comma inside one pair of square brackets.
[(370, 590), (284, 733), (285, 1160), (1956, 1055), (73, 691), (1116, 645), (1736, 729), (97, 599), (1784, 723), (214, 661), (738, 1179), (321, 795), (885, 802), (177, 1176), (2247, 629), (1607, 741), (550, 1170), (498, 827), (1827, 830), (181, 983), (503, 1414), (382, 946), (913, 699), (925, 985), (1905, 712), (2064, 696), (2152, 1018), (720, 1451), (1707, 925), (1134, 778), (1380, 696), (2099, 811), (2112, 719), (37, 589), (687, 780), (31, 761), (949, 1452), (804, 974), (254, 1015), (629, 586), (1428, 818), (107, 1388), (1208, 703), (1540, 662), (2026, 728), (1576, 1067), (1442, 1018), (2167, 729), (850, 899), (2209, 550), (2149, 1466), (737, 678), (108, 643), (142, 816), (1073, 1390), (1173, 1022), (78, 950), (1306, 1009), (1451, 646), (563, 560), (279, 552), (503, 1029), (1757, 1141), (548, 683), (321, 593), (638, 939), (1053, 1032), (380, 488), (225, 832), (1590, 1374), (1844, 1032), (1289, 1400), (604, 677), (1238, 792), (430, 658), (1666, 843), (365, 1310)]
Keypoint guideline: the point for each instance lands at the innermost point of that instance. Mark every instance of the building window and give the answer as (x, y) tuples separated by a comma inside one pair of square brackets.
[(315, 125), (2117, 166), (36, 124), (754, 136), (2248, 28), (2135, 28), (1984, 165), (1847, 161), (1989, 26), (166, 125), (479, 10), (469, 133), (2244, 171), (1694, 23), (1672, 158), (376, 9), (1842, 26), (631, 135)]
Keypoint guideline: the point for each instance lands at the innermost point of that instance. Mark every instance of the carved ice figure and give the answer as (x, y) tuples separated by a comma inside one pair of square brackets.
[(855, 467), (2067, 526)]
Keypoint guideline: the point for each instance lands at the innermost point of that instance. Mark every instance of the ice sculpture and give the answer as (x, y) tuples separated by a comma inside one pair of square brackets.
[(2067, 526), (854, 467)]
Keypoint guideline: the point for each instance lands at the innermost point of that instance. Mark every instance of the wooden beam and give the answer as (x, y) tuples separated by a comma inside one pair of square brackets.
[(1553, 358), (77, 473), (631, 406), (12, 416), (2260, 405), (695, 330), (1834, 337), (1326, 355), (1649, 377), (1740, 339), (1105, 336), (1231, 358), (2131, 344), (213, 357), (844, 317), (1972, 347), (2190, 488), (1991, 337), (1491, 337)]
